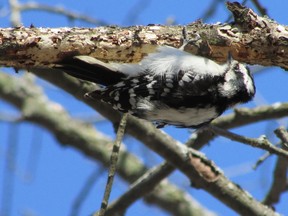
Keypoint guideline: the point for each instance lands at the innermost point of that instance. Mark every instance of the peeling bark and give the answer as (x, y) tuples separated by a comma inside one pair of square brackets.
[(251, 39)]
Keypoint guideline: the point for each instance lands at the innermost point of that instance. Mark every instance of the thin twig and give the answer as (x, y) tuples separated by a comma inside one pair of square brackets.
[(211, 10), (9, 117), (136, 11), (144, 185), (59, 10), (8, 184), (283, 135), (261, 160), (261, 142), (34, 154), (113, 164), (85, 191), (15, 17), (264, 157), (262, 10)]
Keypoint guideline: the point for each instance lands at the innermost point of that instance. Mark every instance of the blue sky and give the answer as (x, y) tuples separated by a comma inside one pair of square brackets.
[(50, 185)]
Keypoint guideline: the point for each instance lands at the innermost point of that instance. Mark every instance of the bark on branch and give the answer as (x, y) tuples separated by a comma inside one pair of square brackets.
[(251, 39)]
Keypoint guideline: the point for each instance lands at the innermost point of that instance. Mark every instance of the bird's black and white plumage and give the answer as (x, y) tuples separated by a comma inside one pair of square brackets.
[(170, 86)]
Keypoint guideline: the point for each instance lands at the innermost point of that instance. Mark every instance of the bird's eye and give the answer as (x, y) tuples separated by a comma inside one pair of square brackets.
[(236, 68)]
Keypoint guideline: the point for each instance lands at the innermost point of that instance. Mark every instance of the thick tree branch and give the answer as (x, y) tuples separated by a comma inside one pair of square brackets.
[(251, 39)]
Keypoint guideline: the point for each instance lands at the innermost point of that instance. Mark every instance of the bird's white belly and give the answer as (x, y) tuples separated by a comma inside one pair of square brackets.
[(183, 117)]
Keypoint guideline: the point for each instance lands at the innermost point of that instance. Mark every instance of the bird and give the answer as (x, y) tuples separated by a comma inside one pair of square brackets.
[(169, 86)]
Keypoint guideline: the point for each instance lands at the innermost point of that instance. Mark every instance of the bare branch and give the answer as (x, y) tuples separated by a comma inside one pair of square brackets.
[(135, 11), (261, 142), (113, 165), (283, 135), (205, 175), (8, 184), (85, 191), (261, 160), (62, 11), (262, 10), (144, 185), (210, 11), (9, 117), (253, 39), (279, 184), (240, 117), (147, 183), (244, 116), (15, 12)]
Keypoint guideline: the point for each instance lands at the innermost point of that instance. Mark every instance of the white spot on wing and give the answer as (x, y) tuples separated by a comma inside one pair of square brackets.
[(120, 84), (132, 101), (135, 81), (145, 105), (186, 78)]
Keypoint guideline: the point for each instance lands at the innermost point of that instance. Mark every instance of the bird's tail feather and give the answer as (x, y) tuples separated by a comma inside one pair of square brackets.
[(90, 69)]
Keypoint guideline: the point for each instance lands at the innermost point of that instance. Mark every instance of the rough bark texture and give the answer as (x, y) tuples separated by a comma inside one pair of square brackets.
[(251, 39)]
